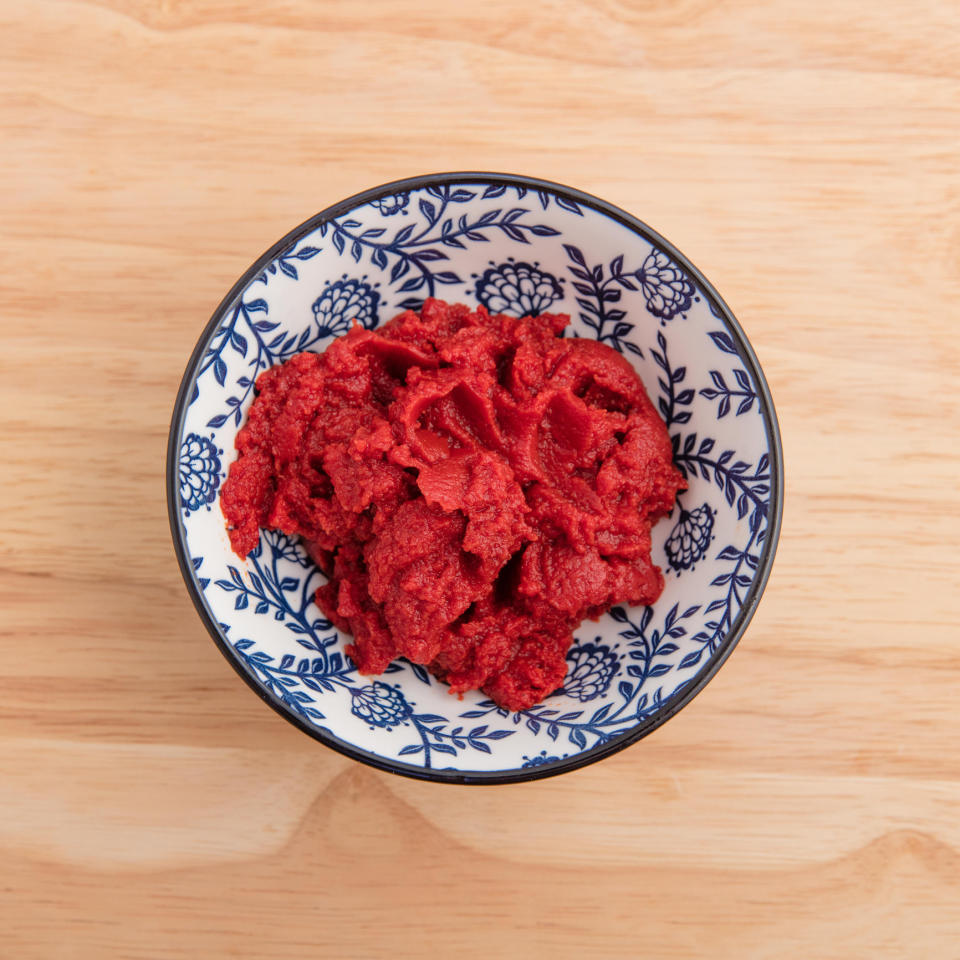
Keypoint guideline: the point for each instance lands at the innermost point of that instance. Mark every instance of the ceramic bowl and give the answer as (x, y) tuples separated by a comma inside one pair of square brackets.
[(518, 246)]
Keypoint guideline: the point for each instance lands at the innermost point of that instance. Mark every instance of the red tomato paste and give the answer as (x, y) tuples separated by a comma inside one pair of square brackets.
[(473, 487)]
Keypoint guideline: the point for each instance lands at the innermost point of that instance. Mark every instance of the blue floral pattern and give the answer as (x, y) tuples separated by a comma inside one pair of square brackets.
[(344, 301), (744, 388), (517, 250), (668, 290), (521, 289), (199, 472), (592, 667), (539, 760), (286, 262), (690, 537), (380, 705), (649, 657), (413, 252), (393, 204), (599, 287)]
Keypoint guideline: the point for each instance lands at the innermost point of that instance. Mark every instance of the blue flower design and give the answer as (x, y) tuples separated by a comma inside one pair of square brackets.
[(518, 288), (199, 472), (539, 760), (394, 203), (343, 301), (667, 289), (592, 667), (380, 705), (690, 537)]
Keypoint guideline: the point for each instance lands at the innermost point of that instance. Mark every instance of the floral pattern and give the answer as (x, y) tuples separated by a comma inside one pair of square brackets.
[(521, 289), (286, 262), (668, 290), (417, 254), (199, 472), (380, 705), (649, 656), (344, 301), (592, 667), (690, 537), (539, 759), (393, 204), (518, 250), (720, 391)]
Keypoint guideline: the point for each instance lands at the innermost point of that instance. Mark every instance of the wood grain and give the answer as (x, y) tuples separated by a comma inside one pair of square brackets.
[(807, 804)]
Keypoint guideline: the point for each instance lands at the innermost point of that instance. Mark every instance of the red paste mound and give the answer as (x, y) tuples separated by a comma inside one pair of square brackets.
[(473, 487)]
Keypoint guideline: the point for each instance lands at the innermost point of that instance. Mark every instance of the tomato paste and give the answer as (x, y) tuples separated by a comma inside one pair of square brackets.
[(472, 485)]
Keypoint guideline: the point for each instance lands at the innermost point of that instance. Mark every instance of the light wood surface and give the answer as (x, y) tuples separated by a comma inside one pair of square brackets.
[(805, 156)]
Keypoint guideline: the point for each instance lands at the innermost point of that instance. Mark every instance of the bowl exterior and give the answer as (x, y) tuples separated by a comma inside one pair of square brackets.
[(517, 246)]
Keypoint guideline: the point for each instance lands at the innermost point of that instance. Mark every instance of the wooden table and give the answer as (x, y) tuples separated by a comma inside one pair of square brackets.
[(805, 156)]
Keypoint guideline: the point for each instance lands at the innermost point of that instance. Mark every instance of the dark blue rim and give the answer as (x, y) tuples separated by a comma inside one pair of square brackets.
[(678, 700)]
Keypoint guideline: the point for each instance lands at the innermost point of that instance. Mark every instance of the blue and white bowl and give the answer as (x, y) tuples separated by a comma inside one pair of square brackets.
[(518, 246)]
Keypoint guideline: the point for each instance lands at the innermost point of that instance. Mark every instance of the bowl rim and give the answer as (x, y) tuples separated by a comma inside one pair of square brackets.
[(675, 702)]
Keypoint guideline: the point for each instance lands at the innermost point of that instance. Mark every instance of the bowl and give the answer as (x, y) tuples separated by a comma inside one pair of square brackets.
[(520, 246)]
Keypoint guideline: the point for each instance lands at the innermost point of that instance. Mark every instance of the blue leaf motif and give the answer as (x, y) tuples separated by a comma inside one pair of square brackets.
[(723, 341), (569, 204)]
